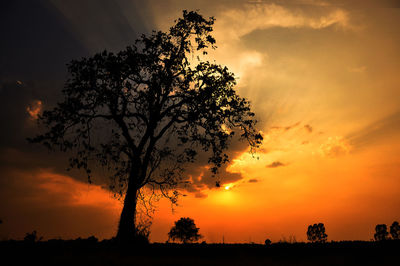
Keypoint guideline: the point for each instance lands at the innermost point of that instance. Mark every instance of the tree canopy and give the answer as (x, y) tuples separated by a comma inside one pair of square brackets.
[(381, 232), (395, 230), (316, 233), (146, 112), (184, 230)]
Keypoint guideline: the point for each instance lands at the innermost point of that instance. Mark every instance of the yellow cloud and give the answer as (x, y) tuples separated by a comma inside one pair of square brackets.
[(34, 109), (335, 146), (239, 22)]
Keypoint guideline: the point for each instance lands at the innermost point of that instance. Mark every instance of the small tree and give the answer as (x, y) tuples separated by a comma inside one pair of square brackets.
[(381, 232), (145, 113), (184, 230), (32, 237), (316, 233), (395, 230)]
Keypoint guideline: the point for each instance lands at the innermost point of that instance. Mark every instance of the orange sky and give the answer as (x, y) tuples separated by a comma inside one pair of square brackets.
[(323, 80)]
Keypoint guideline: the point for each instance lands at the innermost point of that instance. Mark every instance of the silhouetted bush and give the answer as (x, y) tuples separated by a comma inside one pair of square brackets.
[(184, 230), (92, 239), (267, 242), (395, 230), (142, 232), (316, 233), (89, 240), (32, 237), (142, 237), (381, 232)]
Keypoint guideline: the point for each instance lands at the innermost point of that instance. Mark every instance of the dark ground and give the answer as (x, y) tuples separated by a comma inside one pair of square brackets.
[(84, 252)]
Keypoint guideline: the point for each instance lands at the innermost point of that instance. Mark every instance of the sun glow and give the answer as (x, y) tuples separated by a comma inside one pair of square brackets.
[(228, 186)]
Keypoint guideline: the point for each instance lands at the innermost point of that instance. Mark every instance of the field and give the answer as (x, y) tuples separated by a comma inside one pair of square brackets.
[(58, 252)]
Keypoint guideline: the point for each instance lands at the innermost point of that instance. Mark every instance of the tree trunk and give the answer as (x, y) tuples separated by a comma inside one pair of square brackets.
[(127, 226)]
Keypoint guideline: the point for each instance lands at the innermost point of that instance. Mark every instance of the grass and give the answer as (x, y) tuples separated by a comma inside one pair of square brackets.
[(105, 253)]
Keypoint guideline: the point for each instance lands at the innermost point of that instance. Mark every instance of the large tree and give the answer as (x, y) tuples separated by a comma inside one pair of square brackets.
[(144, 113)]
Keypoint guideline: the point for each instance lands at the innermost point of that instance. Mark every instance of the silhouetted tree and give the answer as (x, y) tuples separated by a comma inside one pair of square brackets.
[(381, 232), (32, 237), (184, 230), (395, 230), (145, 113), (142, 232), (316, 233), (267, 242)]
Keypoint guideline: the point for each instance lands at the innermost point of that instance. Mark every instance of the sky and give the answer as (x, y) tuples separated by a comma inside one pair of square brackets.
[(322, 77)]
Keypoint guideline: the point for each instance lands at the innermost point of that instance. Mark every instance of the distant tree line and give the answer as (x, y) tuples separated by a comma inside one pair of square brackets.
[(185, 231), (382, 234)]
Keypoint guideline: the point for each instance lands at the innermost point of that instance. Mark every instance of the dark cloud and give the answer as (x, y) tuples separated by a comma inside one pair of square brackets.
[(253, 180), (292, 126), (200, 195), (336, 3), (365, 3), (35, 49), (287, 128), (308, 128), (54, 206), (38, 39), (104, 24), (200, 178), (275, 164), (18, 125), (35, 44)]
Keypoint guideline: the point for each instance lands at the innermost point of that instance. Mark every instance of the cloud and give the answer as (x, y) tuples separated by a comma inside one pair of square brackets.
[(34, 109), (55, 205), (200, 195), (359, 69), (120, 22), (308, 128), (17, 102), (199, 178), (275, 164), (253, 180), (334, 147), (287, 128), (248, 18)]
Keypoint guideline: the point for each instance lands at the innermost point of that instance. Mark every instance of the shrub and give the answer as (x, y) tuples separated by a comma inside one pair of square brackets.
[(395, 230), (381, 232), (316, 233)]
